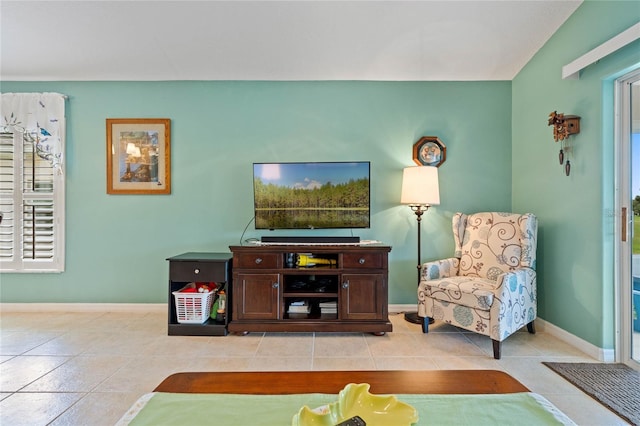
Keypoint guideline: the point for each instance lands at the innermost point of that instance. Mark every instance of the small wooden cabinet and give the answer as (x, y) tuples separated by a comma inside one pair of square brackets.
[(310, 288), (199, 267)]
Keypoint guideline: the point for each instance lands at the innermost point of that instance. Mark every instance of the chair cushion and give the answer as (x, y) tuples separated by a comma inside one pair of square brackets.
[(477, 293)]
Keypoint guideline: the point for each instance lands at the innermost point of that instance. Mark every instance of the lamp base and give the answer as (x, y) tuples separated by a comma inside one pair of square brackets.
[(413, 317)]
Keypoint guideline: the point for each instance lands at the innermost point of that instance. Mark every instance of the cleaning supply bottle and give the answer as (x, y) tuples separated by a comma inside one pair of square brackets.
[(222, 306)]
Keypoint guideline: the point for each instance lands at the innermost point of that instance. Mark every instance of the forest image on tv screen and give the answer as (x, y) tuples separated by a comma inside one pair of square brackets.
[(311, 195)]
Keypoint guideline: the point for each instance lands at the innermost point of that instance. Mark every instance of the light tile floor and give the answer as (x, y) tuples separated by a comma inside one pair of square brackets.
[(88, 368)]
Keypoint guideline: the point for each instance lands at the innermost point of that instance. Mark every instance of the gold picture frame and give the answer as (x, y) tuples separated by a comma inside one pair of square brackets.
[(138, 156)]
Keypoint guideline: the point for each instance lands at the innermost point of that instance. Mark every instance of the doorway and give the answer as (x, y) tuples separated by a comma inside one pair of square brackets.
[(628, 177)]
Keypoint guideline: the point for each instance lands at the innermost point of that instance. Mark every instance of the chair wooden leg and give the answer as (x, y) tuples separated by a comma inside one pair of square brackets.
[(425, 324), (496, 349), (531, 327)]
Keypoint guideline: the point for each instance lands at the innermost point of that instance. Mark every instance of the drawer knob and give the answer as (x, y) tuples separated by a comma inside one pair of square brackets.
[(345, 284), (196, 271), (361, 261), (258, 260), (275, 285)]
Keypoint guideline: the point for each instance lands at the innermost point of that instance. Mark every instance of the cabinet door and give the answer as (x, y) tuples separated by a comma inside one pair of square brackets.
[(256, 296), (363, 297)]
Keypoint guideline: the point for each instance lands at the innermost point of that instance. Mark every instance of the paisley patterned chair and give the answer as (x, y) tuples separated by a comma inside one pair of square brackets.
[(489, 286)]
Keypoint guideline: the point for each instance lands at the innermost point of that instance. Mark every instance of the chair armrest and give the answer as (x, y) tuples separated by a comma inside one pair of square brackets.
[(437, 269), (517, 283), (515, 302)]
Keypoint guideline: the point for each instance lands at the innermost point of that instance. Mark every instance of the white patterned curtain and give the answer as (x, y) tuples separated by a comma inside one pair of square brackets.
[(40, 116)]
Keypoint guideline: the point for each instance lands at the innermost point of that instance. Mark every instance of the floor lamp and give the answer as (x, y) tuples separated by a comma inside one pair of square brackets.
[(420, 190)]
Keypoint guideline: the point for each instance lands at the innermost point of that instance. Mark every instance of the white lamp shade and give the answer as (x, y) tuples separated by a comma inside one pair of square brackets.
[(420, 186)]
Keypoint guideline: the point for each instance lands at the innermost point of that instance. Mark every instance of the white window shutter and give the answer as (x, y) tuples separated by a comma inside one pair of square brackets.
[(32, 203), (8, 162)]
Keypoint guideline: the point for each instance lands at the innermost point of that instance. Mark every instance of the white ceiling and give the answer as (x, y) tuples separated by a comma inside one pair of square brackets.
[(274, 40)]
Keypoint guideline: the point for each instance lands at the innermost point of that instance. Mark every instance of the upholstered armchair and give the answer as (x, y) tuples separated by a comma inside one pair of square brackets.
[(489, 285)]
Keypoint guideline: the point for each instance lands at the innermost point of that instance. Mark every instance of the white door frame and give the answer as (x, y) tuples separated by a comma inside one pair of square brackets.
[(623, 282)]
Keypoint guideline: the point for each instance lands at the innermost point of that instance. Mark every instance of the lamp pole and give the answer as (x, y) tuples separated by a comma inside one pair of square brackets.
[(419, 210)]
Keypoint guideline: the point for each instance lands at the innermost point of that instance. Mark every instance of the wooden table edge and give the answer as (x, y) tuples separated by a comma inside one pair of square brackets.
[(380, 381)]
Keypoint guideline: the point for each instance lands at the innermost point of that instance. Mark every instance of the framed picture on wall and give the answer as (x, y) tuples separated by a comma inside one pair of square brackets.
[(138, 156), (429, 151)]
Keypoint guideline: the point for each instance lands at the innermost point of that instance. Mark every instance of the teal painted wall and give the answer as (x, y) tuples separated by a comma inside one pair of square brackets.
[(117, 244), (576, 242)]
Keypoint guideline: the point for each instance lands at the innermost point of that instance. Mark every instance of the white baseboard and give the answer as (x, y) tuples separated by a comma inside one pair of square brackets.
[(398, 309), (601, 354), (604, 355), (84, 307), (124, 307)]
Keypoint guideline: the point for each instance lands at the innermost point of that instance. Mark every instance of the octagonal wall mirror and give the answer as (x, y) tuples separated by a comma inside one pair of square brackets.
[(429, 151)]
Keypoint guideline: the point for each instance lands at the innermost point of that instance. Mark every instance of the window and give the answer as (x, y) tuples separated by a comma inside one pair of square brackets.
[(31, 202)]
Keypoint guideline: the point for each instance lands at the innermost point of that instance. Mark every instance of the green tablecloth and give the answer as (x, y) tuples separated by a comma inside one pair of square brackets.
[(273, 410)]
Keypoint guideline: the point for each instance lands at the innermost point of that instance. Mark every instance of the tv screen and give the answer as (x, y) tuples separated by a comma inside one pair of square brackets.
[(314, 195)]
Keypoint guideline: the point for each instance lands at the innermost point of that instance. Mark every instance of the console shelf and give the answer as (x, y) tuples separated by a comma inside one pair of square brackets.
[(299, 288), (307, 295)]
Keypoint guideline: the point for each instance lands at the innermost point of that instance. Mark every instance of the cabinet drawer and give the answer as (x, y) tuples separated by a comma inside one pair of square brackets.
[(362, 260), (197, 271), (256, 261)]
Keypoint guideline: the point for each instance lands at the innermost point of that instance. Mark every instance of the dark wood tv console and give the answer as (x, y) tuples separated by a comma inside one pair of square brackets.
[(302, 288)]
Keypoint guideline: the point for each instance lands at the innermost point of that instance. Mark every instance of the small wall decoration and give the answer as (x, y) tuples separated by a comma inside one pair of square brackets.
[(138, 156), (563, 126), (429, 151)]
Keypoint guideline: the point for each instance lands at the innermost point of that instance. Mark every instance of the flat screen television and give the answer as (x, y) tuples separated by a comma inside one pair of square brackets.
[(311, 195)]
